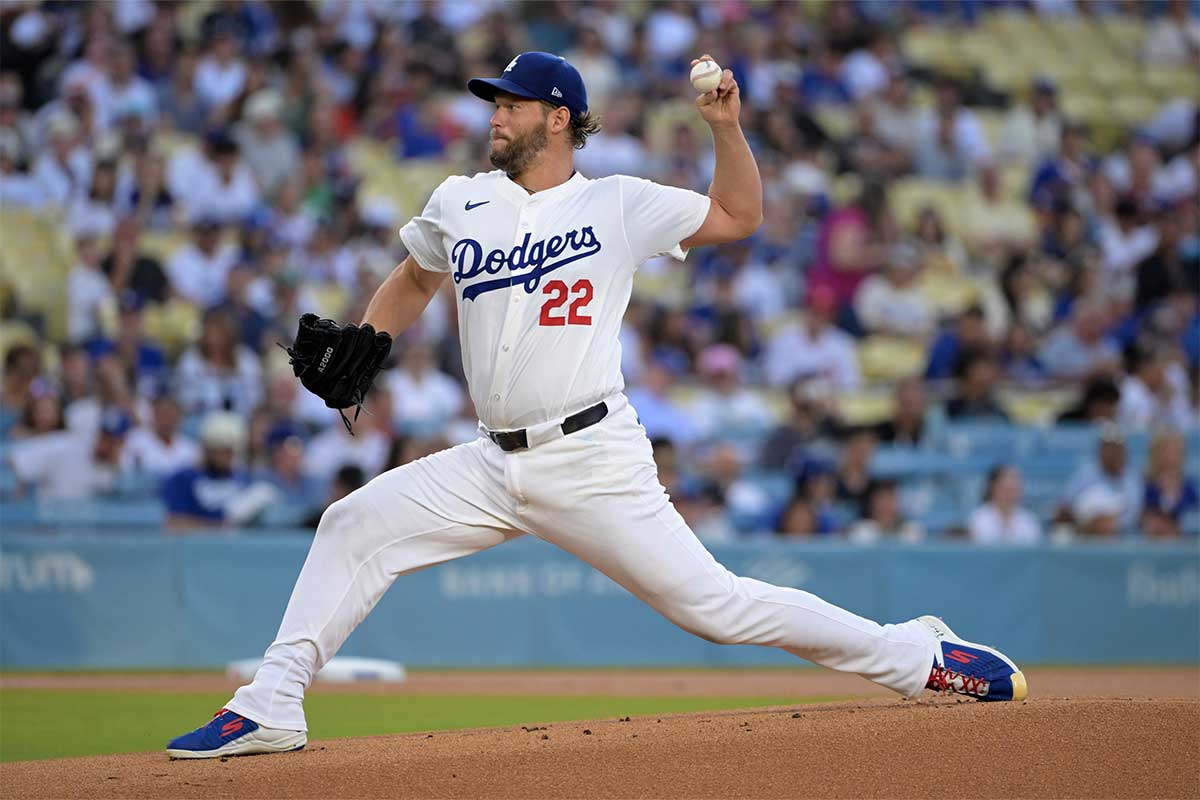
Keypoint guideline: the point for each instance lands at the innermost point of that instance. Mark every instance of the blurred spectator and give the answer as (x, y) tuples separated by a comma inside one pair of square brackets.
[(908, 423), (297, 492), (807, 429), (814, 348), (952, 141), (657, 412), (143, 363), (64, 168), (219, 373), (72, 465), (218, 491), (159, 449), (123, 93), (95, 208), (854, 466), (1174, 264), (993, 224), (91, 306), (891, 303), (975, 396), (1019, 360), (599, 70), (851, 244), (1032, 132), (1155, 392), (424, 399), (866, 70), (1104, 496), (1125, 240), (1170, 496), (1097, 403), (725, 409), (220, 74), (809, 512), (882, 518), (1001, 519), (211, 181), (42, 413), (269, 148), (131, 271), (367, 449), (1174, 37), (199, 270), (1078, 349), (22, 364), (968, 335), (898, 121), (821, 82)]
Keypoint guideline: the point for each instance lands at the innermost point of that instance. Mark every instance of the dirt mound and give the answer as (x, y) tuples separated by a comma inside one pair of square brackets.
[(875, 748)]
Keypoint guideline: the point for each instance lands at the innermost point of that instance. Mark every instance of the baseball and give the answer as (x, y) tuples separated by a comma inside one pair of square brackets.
[(706, 76)]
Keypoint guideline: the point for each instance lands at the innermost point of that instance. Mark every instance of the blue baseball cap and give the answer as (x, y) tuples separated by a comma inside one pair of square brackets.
[(537, 76)]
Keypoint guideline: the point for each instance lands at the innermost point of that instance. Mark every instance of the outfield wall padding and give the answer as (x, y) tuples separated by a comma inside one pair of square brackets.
[(75, 601)]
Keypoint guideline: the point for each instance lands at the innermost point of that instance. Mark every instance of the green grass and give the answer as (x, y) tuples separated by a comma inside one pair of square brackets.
[(49, 723)]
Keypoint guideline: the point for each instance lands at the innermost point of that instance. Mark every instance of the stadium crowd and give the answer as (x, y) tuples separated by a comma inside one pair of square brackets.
[(863, 324)]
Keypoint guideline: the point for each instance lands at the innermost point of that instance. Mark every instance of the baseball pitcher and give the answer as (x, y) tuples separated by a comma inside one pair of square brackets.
[(542, 260)]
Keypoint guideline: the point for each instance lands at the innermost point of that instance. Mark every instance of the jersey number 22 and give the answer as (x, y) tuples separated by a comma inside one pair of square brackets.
[(580, 294)]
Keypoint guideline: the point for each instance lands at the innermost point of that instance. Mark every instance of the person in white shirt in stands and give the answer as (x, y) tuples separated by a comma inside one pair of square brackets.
[(64, 169), (424, 399), (72, 465), (219, 373), (367, 449), (891, 303), (124, 92), (814, 348), (1001, 520), (200, 269), (159, 449), (220, 75), (91, 304), (1156, 391)]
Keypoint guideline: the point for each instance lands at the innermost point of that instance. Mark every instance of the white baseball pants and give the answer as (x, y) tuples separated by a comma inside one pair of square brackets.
[(595, 494)]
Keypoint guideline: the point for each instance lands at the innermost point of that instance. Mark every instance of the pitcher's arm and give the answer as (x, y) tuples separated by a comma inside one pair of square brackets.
[(402, 296)]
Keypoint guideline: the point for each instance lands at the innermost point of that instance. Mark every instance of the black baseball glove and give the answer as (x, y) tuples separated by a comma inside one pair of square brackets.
[(338, 363)]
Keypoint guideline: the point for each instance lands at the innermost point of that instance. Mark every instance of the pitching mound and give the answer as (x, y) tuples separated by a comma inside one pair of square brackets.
[(877, 748)]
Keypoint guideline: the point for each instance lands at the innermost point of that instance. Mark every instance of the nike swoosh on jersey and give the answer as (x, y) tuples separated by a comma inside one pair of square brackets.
[(471, 205)]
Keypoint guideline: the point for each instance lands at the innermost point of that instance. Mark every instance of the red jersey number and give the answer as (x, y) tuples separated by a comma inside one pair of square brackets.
[(557, 294)]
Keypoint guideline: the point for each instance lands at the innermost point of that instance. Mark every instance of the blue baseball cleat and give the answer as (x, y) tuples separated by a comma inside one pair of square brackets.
[(967, 668), (229, 734)]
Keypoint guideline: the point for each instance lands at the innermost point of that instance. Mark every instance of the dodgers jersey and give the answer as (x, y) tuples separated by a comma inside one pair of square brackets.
[(543, 280)]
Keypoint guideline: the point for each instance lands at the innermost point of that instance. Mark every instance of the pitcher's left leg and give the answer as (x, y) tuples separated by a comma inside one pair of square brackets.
[(596, 495)]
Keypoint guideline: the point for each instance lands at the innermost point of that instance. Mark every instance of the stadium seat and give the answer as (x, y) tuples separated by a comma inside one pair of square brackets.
[(886, 358)]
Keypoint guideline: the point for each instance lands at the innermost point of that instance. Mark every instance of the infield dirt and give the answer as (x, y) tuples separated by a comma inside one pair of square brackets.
[(1143, 741)]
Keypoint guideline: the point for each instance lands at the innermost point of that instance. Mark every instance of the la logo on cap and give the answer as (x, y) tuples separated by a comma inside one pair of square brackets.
[(511, 64)]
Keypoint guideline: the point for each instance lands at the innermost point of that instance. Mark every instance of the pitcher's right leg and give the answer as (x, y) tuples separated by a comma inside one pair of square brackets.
[(448, 505)]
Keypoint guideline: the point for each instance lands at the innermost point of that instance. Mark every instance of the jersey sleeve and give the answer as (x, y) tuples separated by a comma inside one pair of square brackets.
[(657, 218), (422, 236)]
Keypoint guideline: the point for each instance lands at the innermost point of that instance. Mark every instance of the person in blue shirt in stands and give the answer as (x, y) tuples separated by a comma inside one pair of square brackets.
[(1171, 500), (201, 496)]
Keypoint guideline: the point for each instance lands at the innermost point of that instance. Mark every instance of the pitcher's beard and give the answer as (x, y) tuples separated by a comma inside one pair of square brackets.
[(520, 153)]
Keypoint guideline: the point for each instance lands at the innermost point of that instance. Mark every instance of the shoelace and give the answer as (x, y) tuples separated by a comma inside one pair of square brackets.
[(942, 679)]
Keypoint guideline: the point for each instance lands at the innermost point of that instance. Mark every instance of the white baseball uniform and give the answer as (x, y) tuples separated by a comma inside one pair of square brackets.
[(542, 283)]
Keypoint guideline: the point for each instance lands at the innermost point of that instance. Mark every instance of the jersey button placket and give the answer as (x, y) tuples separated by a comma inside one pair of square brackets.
[(512, 322)]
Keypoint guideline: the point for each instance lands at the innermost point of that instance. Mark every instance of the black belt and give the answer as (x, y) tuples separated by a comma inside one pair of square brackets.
[(518, 440)]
